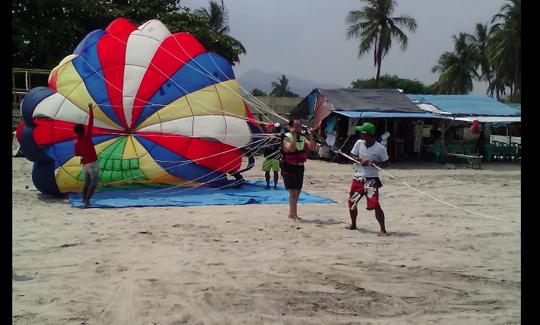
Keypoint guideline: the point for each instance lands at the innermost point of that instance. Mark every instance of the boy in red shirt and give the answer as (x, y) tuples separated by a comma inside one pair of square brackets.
[(85, 148)]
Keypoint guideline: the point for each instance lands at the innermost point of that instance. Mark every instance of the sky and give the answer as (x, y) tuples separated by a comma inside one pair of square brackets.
[(307, 38)]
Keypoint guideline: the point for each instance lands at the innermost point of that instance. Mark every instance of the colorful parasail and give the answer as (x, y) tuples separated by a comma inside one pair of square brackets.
[(168, 112)]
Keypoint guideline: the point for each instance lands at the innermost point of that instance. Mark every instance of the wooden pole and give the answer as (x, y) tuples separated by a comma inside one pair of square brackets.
[(442, 138)]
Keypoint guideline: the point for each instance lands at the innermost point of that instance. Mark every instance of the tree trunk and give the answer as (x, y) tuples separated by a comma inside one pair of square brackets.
[(378, 73), (379, 60)]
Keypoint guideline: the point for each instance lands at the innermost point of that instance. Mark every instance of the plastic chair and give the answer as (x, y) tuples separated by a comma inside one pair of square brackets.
[(436, 150), (488, 152), (498, 151), (469, 149), (452, 148)]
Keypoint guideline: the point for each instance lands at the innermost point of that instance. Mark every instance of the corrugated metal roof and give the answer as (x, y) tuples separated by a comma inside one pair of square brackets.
[(373, 100), (467, 105)]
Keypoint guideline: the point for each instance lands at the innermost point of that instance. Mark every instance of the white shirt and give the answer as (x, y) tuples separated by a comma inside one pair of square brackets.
[(375, 153)]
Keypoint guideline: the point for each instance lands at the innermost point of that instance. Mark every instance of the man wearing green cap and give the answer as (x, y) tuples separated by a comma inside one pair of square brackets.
[(369, 153)]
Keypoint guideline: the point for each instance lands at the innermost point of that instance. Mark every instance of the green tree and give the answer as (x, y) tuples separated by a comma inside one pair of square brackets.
[(375, 26), (458, 68), (218, 18), (220, 42), (391, 82), (281, 88), (258, 92), (504, 47), (480, 40), (44, 32)]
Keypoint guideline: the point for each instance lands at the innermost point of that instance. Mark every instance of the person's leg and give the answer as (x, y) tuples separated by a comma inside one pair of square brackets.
[(93, 177), (353, 212), (356, 192), (296, 196), (379, 215), (91, 190), (292, 204), (267, 176), (276, 177), (86, 185), (373, 204), (85, 191)]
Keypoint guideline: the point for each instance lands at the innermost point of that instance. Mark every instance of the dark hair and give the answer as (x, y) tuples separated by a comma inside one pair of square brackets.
[(79, 129), (291, 121)]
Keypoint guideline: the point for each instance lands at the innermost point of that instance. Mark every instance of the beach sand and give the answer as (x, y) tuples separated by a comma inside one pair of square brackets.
[(250, 264)]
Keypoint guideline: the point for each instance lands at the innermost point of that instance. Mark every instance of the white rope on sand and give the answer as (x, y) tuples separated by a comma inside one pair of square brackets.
[(428, 195)]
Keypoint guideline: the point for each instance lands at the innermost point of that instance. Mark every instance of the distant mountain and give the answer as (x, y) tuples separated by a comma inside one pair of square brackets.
[(263, 81)]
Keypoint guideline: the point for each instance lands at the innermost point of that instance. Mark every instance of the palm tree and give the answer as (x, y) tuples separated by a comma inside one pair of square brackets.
[(480, 40), (281, 88), (504, 48), (457, 68), (218, 17), (375, 26)]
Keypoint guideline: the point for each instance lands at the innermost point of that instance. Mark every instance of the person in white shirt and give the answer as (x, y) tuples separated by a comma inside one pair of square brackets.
[(369, 153)]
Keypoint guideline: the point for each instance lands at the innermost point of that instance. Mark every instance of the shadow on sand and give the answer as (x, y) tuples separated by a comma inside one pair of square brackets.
[(326, 222), (48, 198), (390, 233)]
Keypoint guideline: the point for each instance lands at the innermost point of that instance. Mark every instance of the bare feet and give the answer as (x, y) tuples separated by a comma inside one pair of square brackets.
[(382, 233), (350, 227), (296, 218)]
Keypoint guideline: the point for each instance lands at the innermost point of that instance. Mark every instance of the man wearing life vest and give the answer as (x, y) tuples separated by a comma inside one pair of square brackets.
[(366, 181), (294, 148)]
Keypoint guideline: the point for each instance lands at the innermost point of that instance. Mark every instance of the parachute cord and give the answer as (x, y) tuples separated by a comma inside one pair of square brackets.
[(182, 163), (254, 150), (209, 75), (162, 105), (264, 108)]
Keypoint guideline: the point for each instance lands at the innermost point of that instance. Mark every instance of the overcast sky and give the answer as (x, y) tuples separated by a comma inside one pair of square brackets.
[(306, 38)]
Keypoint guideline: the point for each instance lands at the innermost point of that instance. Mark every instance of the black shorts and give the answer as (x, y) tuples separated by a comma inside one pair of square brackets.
[(293, 176)]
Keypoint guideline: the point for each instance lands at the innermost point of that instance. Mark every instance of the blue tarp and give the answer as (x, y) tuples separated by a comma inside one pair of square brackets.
[(467, 105), (252, 192), (363, 114)]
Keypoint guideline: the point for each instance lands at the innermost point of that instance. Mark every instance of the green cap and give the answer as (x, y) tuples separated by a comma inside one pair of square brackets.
[(366, 128)]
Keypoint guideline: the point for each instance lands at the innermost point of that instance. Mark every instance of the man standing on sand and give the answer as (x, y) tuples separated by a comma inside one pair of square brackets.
[(294, 154), (85, 148), (366, 180)]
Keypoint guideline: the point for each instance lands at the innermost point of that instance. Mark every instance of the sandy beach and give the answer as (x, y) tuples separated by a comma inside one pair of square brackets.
[(250, 264)]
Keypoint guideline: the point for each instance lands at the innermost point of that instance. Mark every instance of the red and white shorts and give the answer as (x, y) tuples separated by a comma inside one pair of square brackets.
[(369, 187)]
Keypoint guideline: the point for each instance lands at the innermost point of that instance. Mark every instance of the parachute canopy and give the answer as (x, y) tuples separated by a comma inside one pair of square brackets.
[(168, 112)]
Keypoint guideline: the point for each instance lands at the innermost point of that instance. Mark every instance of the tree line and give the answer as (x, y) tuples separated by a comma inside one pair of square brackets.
[(45, 31)]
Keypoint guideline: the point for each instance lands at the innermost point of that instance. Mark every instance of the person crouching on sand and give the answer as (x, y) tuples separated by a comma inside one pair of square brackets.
[(293, 156), (366, 181)]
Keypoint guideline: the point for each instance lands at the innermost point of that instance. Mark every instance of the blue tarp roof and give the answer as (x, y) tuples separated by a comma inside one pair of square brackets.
[(467, 105), (364, 114)]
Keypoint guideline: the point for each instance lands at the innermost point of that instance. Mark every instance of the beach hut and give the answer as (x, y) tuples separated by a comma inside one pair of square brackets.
[(335, 112), (460, 111)]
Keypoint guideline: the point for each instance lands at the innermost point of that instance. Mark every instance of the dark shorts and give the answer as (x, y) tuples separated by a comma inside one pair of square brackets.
[(365, 186), (293, 176)]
